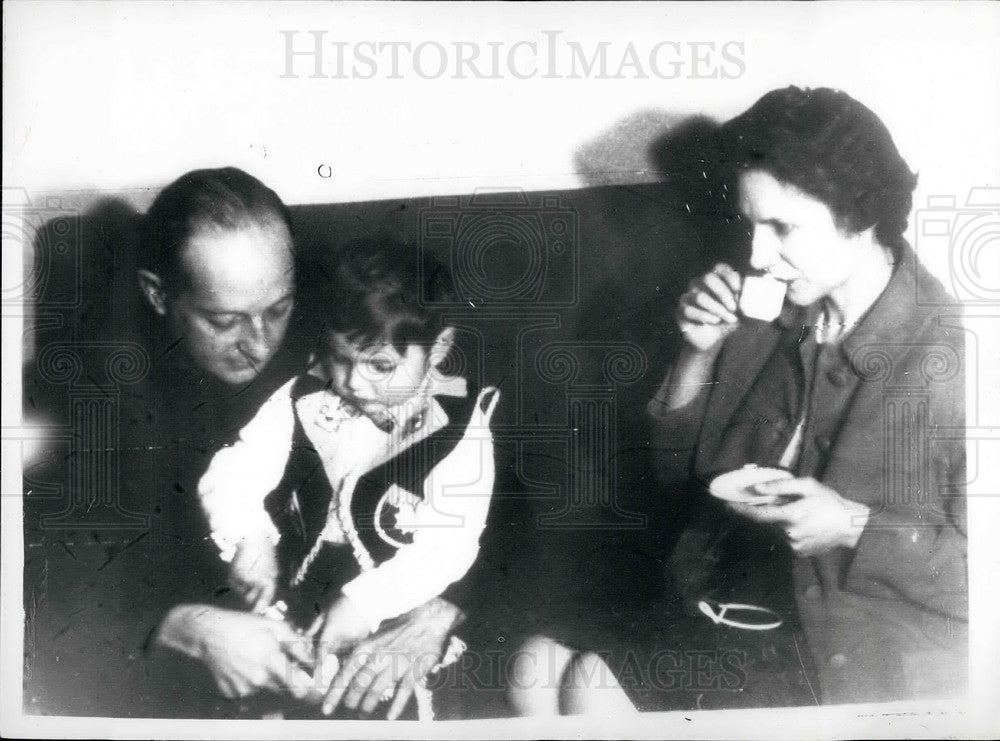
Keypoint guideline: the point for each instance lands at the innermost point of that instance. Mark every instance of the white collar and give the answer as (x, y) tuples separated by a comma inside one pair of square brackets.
[(406, 412)]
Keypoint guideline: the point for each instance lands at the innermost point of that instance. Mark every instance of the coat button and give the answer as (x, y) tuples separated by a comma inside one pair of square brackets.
[(823, 443), (813, 592), (838, 377), (838, 660)]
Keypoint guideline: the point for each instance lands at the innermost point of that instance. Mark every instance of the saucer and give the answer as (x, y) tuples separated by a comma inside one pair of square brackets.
[(737, 486)]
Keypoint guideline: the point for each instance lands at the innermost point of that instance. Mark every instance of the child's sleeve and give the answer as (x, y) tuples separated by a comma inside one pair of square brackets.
[(446, 527), (241, 475)]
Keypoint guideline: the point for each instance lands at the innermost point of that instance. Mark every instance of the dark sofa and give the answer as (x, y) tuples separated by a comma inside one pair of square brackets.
[(566, 303)]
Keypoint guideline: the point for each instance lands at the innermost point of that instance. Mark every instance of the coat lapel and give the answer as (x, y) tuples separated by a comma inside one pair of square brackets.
[(882, 421), (739, 363)]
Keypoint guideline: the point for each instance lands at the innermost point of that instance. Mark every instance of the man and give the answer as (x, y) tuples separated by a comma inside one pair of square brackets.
[(216, 269)]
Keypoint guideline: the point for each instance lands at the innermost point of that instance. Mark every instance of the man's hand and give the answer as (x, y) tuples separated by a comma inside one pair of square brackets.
[(815, 521), (391, 662), (706, 312), (246, 654)]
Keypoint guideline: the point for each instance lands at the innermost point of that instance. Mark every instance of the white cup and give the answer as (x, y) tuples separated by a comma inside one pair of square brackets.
[(762, 297)]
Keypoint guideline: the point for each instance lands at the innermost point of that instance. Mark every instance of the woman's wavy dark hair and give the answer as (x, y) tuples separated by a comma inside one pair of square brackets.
[(225, 198), (382, 290), (831, 147)]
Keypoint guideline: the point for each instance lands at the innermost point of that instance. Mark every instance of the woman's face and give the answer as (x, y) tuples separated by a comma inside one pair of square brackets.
[(795, 238), (232, 312)]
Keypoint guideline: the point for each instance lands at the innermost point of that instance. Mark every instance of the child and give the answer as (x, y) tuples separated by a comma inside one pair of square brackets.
[(360, 489)]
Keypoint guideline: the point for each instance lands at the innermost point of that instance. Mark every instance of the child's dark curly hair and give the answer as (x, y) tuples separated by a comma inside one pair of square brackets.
[(382, 290), (831, 147)]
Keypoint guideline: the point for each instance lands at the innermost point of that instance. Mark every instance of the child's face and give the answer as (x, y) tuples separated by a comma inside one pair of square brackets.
[(375, 377)]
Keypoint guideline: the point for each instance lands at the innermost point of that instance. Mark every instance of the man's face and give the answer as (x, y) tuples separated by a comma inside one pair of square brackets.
[(376, 377), (232, 312), (796, 239)]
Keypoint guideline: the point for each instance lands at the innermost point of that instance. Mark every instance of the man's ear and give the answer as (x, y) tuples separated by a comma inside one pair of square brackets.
[(442, 346), (152, 288)]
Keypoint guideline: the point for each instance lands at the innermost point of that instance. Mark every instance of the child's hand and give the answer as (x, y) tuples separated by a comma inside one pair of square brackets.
[(340, 627), (253, 572)]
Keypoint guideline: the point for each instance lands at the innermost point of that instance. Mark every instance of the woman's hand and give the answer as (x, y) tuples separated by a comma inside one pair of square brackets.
[(245, 654), (391, 662), (706, 312), (816, 520)]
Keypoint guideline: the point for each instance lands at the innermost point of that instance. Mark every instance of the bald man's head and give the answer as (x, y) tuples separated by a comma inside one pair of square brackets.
[(219, 266)]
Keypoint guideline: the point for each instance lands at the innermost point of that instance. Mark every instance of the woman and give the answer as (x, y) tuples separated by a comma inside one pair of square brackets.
[(861, 549)]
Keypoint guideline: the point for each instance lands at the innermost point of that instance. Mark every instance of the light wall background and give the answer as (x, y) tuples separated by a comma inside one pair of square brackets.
[(119, 96), (124, 95)]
